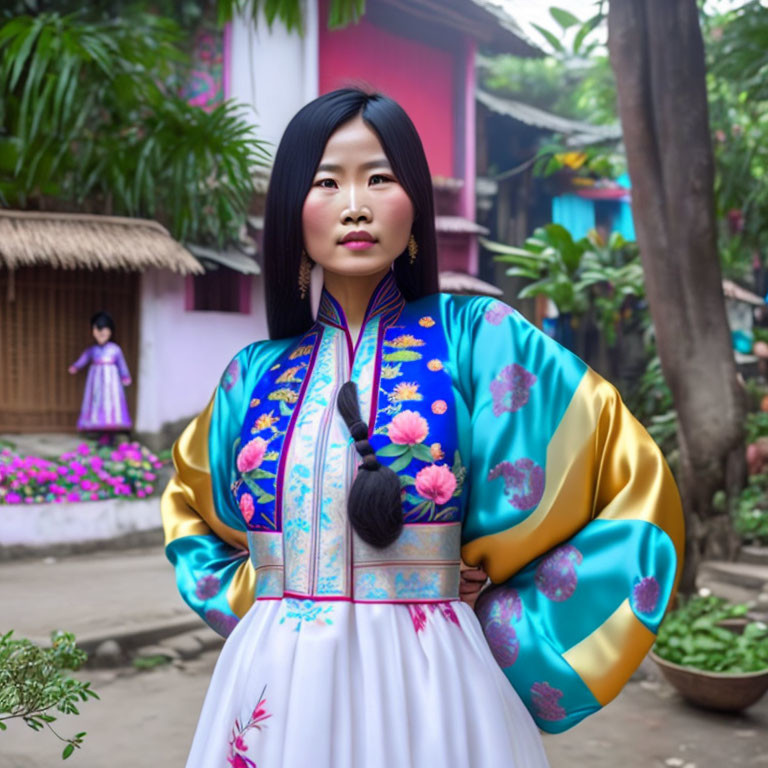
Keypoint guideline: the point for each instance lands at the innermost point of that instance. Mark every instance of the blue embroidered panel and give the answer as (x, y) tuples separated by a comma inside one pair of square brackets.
[(415, 430), (257, 455)]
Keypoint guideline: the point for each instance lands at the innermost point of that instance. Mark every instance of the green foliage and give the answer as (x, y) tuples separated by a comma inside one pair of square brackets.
[(90, 111), (692, 636), (750, 514), (150, 662), (577, 274), (756, 426), (289, 12), (33, 683)]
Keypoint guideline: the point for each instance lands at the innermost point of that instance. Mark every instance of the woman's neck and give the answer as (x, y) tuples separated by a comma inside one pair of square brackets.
[(353, 293)]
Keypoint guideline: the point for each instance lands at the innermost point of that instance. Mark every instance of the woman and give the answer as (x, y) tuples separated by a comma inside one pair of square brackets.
[(325, 497)]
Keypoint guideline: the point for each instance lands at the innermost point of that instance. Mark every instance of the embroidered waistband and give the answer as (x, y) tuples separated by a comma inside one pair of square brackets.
[(421, 566)]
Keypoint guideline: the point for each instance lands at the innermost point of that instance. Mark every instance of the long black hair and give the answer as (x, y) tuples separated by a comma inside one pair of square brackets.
[(296, 161), (374, 505)]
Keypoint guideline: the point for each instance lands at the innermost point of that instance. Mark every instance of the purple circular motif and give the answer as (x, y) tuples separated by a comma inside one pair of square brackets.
[(556, 573), (496, 611), (645, 595), (231, 375), (497, 312), (546, 702), (523, 482), (207, 587), (221, 622), (511, 389)]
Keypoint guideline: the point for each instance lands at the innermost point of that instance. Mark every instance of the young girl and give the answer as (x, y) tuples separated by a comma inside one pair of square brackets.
[(325, 497), (104, 408)]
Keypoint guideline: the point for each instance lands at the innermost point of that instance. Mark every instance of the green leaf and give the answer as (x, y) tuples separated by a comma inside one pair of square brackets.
[(550, 38), (68, 750), (402, 462), (259, 474), (564, 18), (422, 452), (585, 29), (406, 480), (412, 498), (393, 449)]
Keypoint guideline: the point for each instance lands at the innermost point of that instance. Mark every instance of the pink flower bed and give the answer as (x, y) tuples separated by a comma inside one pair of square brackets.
[(88, 473)]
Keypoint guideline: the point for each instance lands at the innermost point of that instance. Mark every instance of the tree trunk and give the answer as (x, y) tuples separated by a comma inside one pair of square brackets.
[(657, 55)]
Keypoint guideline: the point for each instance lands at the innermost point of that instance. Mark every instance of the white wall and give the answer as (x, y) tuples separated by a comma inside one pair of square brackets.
[(274, 73), (183, 354)]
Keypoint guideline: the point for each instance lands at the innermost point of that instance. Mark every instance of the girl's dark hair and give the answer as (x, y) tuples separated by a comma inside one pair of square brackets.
[(103, 320), (374, 507), (296, 161)]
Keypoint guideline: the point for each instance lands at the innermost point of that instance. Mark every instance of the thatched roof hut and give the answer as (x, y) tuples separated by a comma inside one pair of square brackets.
[(88, 241)]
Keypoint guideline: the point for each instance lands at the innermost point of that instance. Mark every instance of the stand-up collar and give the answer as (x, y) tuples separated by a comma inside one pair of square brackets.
[(386, 301)]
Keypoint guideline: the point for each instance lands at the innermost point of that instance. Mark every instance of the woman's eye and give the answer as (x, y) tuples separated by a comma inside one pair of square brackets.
[(326, 183), (378, 178)]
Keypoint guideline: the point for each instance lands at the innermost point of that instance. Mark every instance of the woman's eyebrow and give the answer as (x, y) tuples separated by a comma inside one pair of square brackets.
[(381, 162)]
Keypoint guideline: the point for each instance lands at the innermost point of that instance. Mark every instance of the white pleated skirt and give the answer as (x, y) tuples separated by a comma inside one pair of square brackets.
[(305, 684)]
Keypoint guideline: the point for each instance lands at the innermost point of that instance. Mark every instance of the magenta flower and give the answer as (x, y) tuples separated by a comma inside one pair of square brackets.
[(207, 587), (511, 389), (645, 595), (408, 428), (13, 498), (150, 476), (546, 702), (556, 575), (150, 488), (246, 507), (62, 470), (251, 455), (83, 449), (523, 482), (497, 610), (73, 496), (436, 482), (497, 312)]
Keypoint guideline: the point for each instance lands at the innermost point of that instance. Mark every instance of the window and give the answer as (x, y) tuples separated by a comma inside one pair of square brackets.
[(219, 290)]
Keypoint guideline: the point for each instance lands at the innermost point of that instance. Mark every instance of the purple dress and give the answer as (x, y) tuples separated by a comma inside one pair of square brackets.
[(104, 405)]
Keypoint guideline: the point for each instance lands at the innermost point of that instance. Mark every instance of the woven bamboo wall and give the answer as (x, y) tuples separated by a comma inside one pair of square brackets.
[(44, 315)]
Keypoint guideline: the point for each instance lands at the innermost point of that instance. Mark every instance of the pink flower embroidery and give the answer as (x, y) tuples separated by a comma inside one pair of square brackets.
[(418, 613), (556, 574), (408, 428), (251, 455), (496, 611), (436, 482), (439, 407), (523, 482), (436, 451), (546, 702), (511, 389), (645, 595), (246, 507), (237, 743), (497, 312)]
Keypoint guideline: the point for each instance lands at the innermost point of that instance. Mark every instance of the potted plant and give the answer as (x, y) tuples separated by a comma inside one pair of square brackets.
[(712, 660)]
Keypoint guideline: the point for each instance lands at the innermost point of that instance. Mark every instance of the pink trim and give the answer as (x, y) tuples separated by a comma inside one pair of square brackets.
[(289, 432), (344, 599), (374, 409), (227, 56)]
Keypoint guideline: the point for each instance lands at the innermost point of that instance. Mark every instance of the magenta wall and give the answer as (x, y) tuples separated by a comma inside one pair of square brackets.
[(418, 76)]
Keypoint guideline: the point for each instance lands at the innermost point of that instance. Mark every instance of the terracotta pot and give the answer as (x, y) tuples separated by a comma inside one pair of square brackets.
[(724, 692)]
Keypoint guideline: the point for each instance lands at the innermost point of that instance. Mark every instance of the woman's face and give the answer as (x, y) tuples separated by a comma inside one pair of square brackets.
[(102, 335), (356, 218)]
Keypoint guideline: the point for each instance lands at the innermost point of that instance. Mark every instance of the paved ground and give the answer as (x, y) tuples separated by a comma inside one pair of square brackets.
[(148, 718)]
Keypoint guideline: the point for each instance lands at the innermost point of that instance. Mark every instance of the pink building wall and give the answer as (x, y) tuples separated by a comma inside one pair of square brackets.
[(418, 76)]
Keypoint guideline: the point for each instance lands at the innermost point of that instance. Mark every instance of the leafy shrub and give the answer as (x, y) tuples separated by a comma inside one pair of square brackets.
[(692, 636)]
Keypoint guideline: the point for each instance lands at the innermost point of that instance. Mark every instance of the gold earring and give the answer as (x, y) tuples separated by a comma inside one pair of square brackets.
[(305, 276), (413, 248)]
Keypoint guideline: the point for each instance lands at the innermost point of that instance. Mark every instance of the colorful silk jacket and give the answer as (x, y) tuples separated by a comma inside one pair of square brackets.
[(512, 454)]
